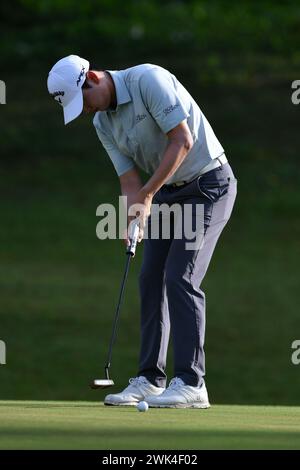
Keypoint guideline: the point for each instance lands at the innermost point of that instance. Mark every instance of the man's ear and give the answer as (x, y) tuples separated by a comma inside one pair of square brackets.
[(91, 75)]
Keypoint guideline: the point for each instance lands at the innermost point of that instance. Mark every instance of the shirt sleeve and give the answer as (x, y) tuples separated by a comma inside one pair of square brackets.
[(162, 99), (121, 162)]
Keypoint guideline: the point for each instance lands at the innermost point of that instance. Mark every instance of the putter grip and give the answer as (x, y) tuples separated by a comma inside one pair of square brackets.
[(133, 237)]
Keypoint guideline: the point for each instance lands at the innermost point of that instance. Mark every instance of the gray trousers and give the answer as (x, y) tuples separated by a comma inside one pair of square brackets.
[(171, 275)]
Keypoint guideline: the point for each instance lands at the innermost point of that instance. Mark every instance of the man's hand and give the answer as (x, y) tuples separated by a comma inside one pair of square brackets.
[(140, 208)]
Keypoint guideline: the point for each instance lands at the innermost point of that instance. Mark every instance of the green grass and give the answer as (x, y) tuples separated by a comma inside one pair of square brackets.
[(86, 425)]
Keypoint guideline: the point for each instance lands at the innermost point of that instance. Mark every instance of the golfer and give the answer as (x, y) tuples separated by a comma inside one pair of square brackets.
[(146, 119)]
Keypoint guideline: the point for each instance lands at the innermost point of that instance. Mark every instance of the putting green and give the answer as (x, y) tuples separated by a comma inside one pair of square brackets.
[(91, 425)]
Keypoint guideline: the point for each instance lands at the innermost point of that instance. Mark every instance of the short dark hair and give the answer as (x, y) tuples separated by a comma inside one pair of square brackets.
[(85, 84), (91, 67)]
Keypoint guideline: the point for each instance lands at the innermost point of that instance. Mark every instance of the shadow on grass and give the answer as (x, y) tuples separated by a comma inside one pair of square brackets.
[(32, 438)]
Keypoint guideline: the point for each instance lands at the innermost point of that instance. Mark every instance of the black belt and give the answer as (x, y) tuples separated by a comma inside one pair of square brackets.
[(215, 163)]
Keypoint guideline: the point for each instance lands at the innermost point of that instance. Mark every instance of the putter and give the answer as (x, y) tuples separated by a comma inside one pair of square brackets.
[(130, 252)]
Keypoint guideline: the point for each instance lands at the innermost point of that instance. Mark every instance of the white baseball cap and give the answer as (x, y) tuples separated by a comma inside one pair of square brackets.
[(65, 82)]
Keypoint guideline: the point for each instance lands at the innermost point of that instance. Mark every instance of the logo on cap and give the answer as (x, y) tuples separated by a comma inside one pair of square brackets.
[(57, 93), (65, 82), (82, 72)]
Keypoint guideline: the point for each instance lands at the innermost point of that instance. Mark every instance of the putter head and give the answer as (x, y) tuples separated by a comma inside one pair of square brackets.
[(102, 383)]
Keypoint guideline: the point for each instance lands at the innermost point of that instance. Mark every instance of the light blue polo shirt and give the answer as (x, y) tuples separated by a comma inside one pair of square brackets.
[(151, 102)]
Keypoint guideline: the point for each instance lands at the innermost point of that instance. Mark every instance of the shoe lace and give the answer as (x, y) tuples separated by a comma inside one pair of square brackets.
[(137, 381), (175, 384)]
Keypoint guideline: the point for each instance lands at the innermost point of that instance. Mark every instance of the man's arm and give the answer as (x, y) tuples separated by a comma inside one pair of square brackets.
[(131, 184), (180, 142)]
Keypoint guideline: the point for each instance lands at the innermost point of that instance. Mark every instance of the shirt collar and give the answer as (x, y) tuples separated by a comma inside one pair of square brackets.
[(121, 88)]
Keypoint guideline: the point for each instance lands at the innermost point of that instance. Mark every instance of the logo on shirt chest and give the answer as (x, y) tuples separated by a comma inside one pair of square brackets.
[(140, 117)]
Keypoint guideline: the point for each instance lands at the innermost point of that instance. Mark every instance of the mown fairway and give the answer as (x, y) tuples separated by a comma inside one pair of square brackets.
[(84, 425)]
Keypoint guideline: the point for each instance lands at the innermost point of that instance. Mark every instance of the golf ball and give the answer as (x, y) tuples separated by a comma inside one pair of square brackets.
[(142, 406)]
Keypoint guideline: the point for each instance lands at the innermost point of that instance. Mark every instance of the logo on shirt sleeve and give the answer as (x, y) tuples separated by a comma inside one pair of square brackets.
[(169, 109)]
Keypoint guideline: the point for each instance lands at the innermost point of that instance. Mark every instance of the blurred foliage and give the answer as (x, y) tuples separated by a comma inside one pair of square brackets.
[(58, 282), (240, 39)]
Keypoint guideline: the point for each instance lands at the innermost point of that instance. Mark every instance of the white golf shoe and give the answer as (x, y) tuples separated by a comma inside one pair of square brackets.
[(179, 395), (136, 391)]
